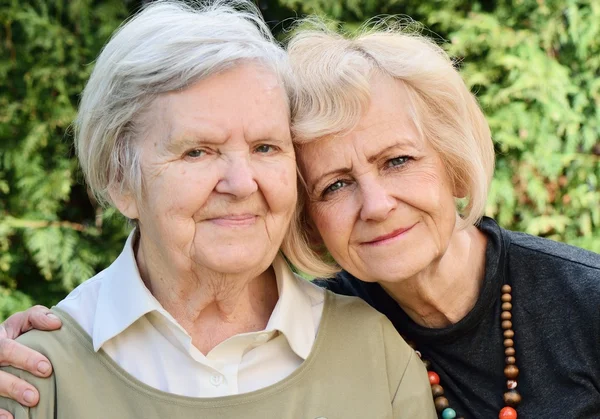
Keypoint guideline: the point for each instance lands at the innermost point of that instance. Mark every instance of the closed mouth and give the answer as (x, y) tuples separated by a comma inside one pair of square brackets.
[(235, 219), (389, 236)]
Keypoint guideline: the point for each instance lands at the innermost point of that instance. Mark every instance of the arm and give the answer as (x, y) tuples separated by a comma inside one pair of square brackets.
[(19, 356)]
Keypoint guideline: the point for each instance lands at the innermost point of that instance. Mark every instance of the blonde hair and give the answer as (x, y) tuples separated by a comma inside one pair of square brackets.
[(333, 76), (166, 47)]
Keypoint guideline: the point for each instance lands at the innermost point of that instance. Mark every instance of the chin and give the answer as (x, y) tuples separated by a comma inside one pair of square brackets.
[(235, 261)]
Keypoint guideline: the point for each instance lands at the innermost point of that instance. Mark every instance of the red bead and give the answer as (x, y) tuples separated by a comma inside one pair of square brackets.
[(508, 413), (433, 378)]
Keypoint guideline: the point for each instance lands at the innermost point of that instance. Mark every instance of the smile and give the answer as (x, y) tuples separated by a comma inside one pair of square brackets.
[(387, 238), (237, 220)]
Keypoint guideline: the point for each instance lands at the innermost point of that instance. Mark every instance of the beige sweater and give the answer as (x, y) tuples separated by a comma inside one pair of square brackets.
[(359, 367)]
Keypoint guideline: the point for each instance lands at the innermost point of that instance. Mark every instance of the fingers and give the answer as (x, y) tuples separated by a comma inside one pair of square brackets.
[(17, 389), (37, 317), (20, 356), (41, 318), (5, 415)]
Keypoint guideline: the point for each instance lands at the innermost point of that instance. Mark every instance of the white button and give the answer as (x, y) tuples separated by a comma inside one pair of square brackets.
[(263, 337), (216, 380)]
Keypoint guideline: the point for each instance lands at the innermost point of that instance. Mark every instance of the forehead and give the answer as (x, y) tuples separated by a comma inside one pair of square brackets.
[(390, 121), (247, 97)]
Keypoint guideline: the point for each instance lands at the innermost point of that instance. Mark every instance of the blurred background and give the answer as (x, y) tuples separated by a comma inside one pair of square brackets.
[(533, 64)]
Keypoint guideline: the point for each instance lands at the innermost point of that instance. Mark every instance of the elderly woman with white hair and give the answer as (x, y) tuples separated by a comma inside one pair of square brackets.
[(184, 128)]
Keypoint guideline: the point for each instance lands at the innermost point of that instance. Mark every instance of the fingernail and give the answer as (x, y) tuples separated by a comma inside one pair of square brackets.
[(42, 367), (50, 316), (28, 396), (3, 416)]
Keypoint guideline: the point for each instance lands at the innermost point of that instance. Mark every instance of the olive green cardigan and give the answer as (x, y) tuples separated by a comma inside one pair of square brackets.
[(358, 368)]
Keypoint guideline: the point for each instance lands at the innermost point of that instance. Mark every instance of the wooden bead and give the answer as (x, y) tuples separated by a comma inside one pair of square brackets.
[(510, 360), (511, 384), (509, 334), (506, 324), (506, 288), (512, 398), (511, 372), (441, 403), (433, 377), (506, 315), (510, 351), (506, 298), (506, 306), (508, 343), (508, 413), (437, 390)]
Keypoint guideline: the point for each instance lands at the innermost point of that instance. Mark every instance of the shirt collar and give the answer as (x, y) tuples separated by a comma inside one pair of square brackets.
[(123, 299), (292, 315)]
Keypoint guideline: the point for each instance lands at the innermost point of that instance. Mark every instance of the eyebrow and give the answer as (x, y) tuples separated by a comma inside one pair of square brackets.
[(400, 143), (191, 140)]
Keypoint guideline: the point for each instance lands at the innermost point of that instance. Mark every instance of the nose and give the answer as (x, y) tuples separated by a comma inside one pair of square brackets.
[(377, 203), (238, 178)]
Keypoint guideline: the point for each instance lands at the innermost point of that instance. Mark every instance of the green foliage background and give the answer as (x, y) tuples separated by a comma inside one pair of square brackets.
[(534, 65)]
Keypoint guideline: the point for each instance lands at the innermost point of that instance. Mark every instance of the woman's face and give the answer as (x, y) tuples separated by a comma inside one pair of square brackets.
[(379, 196), (219, 173)]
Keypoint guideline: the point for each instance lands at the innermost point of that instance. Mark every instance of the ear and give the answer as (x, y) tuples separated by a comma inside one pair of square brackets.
[(460, 190), (125, 202)]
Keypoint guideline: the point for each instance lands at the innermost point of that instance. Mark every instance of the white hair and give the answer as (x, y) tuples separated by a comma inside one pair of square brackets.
[(166, 47)]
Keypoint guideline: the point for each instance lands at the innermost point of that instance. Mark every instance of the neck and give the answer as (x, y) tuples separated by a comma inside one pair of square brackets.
[(210, 306), (445, 292)]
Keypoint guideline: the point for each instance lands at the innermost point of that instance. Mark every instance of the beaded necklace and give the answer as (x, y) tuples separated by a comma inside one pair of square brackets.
[(511, 397)]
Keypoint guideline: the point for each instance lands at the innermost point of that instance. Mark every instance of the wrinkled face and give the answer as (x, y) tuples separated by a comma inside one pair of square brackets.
[(380, 197), (219, 172)]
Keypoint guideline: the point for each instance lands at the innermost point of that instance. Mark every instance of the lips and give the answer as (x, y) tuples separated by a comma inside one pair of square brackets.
[(235, 219), (386, 237)]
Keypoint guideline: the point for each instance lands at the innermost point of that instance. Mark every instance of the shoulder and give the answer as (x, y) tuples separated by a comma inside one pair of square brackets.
[(551, 270), (58, 344), (553, 252), (354, 308), (567, 267), (354, 316)]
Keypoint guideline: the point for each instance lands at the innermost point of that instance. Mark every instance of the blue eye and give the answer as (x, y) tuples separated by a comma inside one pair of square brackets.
[(338, 184), (264, 148), (397, 161), (195, 153)]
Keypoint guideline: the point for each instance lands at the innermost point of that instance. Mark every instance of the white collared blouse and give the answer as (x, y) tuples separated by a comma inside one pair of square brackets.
[(125, 320)]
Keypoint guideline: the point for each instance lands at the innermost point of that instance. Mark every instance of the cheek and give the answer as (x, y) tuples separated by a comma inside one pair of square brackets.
[(279, 187), (181, 192), (330, 223)]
